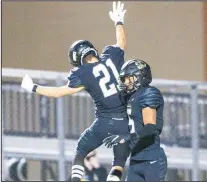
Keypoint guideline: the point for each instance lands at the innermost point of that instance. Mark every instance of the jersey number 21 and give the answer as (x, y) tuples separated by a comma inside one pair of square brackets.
[(111, 90)]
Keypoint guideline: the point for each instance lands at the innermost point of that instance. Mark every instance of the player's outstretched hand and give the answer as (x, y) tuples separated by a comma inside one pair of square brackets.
[(118, 12), (27, 83), (113, 140)]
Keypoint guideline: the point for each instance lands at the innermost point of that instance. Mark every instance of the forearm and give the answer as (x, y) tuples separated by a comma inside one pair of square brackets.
[(120, 36), (147, 130), (48, 91), (56, 92)]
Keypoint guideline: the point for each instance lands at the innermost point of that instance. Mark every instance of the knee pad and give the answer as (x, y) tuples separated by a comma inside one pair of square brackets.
[(82, 146), (88, 142)]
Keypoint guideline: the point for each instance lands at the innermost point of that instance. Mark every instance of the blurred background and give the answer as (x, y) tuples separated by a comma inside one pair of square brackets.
[(40, 134)]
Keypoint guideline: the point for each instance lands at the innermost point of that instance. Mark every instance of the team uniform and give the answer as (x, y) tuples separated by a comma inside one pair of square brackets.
[(100, 80), (98, 75), (148, 160)]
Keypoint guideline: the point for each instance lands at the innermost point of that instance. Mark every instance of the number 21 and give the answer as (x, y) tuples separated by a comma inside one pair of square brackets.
[(106, 79)]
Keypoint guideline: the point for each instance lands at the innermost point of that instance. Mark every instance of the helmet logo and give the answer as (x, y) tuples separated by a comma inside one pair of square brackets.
[(141, 65), (74, 56)]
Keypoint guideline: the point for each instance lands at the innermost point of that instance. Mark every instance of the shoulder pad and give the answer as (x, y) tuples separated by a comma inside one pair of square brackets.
[(151, 97)]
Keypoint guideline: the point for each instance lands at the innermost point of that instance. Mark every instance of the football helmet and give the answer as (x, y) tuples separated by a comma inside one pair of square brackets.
[(79, 50), (141, 73)]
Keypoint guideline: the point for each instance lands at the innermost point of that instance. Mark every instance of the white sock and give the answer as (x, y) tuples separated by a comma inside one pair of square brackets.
[(77, 171)]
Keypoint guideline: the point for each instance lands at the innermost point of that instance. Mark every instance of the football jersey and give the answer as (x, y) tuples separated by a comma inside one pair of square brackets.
[(147, 148), (100, 80)]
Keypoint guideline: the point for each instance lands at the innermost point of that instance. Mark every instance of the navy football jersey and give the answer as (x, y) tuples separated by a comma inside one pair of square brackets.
[(100, 80), (147, 148)]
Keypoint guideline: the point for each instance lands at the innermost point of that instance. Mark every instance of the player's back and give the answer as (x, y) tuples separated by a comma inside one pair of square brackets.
[(100, 80)]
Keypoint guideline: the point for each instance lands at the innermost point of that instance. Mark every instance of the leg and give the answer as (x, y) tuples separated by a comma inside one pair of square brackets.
[(101, 172), (135, 171), (156, 170), (163, 168), (89, 141), (121, 153)]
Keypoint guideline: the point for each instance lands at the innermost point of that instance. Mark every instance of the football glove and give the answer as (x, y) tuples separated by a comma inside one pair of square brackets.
[(113, 140), (117, 15), (27, 83)]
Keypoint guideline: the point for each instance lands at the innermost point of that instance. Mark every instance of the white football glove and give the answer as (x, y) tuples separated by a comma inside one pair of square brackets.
[(117, 15), (27, 83)]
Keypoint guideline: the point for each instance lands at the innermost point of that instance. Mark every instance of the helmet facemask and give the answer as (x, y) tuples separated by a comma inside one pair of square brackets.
[(128, 84)]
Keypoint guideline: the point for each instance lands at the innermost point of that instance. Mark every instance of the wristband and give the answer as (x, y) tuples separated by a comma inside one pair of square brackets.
[(34, 88), (119, 23)]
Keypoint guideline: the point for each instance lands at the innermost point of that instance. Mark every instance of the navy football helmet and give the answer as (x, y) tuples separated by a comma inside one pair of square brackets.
[(141, 72), (79, 50)]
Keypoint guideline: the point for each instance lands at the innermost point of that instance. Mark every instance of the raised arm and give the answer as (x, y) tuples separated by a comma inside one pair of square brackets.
[(117, 16), (55, 92), (120, 36)]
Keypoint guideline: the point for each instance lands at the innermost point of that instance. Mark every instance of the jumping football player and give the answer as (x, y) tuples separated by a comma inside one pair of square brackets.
[(98, 75), (148, 161)]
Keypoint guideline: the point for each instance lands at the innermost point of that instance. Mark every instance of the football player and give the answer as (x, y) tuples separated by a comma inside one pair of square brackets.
[(148, 161), (98, 75)]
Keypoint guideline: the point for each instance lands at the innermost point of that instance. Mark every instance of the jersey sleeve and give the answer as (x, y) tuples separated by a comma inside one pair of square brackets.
[(115, 53), (74, 80), (152, 98)]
